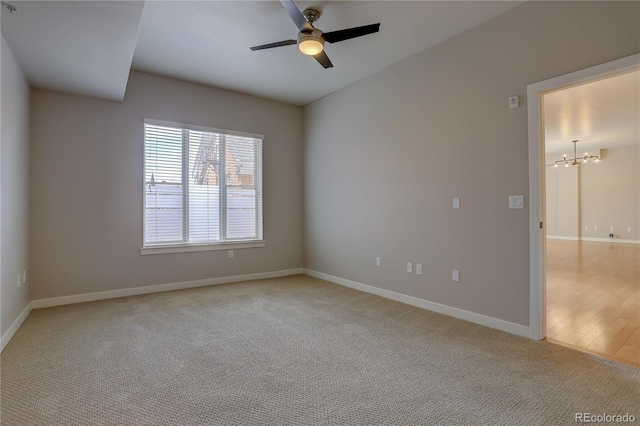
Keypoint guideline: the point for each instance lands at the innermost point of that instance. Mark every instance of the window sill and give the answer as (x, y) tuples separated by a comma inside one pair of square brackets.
[(183, 248)]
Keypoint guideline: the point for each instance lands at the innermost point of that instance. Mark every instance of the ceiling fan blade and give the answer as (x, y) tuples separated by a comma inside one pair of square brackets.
[(323, 59), (276, 44), (341, 35), (297, 16)]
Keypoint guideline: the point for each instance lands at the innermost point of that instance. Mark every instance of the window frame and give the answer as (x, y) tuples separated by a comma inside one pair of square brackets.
[(193, 247)]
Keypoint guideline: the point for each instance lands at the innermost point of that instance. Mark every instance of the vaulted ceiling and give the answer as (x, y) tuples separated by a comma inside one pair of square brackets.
[(88, 47)]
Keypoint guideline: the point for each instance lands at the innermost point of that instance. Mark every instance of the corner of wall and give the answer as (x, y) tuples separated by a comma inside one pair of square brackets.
[(14, 187)]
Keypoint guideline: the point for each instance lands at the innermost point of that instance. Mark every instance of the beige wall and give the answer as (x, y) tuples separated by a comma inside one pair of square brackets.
[(603, 195), (14, 178), (563, 201), (86, 174), (385, 156), (552, 200)]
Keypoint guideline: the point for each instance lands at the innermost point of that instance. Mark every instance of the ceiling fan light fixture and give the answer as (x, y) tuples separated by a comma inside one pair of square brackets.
[(311, 44), (311, 40)]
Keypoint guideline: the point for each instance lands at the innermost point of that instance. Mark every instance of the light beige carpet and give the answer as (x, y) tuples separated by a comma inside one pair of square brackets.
[(292, 351)]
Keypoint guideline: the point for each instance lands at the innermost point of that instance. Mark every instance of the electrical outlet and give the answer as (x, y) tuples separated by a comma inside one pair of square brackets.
[(595, 228), (629, 229), (455, 275), (586, 228), (516, 201), (378, 261), (418, 268), (24, 277), (19, 280), (410, 267), (230, 252)]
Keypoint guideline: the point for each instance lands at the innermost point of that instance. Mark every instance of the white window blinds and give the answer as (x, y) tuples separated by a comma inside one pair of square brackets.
[(202, 186)]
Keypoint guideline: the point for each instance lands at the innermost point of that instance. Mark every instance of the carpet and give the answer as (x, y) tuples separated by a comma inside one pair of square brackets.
[(292, 351)]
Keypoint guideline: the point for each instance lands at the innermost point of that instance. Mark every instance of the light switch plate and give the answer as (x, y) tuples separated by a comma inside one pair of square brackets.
[(516, 201)]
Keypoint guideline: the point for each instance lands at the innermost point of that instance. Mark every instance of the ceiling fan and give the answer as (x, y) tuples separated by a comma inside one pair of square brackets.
[(310, 39)]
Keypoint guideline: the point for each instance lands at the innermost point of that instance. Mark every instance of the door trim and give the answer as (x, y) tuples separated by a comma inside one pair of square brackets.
[(537, 237)]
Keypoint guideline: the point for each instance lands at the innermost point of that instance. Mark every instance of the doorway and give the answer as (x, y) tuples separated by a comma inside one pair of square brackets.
[(571, 253)]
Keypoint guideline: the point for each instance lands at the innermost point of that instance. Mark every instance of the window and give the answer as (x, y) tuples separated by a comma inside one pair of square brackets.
[(203, 188)]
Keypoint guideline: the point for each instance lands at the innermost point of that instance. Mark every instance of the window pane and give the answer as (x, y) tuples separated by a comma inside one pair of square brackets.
[(242, 188), (204, 213), (163, 215), (163, 185), (163, 154), (204, 190), (204, 158), (241, 214)]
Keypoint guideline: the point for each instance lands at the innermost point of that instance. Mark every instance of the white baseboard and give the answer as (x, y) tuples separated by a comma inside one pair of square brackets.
[(134, 291), (495, 323), (498, 324), (560, 237), (598, 240), (15, 326)]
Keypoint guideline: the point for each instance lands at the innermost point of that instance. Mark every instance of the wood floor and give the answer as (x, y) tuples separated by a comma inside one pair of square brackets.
[(593, 297)]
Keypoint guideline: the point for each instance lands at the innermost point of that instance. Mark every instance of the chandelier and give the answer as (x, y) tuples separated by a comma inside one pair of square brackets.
[(575, 161)]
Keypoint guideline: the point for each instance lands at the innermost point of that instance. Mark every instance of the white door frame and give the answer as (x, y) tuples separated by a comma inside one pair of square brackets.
[(537, 219)]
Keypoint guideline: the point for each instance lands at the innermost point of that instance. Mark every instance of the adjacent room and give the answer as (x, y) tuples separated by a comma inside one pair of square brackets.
[(331, 212), (593, 216)]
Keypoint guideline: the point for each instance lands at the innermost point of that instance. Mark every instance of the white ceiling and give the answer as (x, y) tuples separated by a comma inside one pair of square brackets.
[(601, 114), (208, 42), (82, 47), (87, 47)]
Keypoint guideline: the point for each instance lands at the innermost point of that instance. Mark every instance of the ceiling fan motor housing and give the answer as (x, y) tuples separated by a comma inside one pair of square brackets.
[(312, 15)]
